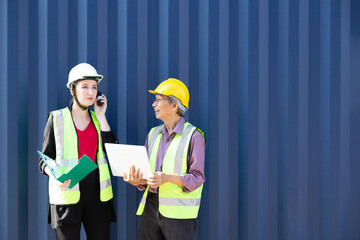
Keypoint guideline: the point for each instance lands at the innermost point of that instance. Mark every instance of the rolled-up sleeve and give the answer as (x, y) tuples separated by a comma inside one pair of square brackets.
[(196, 162), (108, 137)]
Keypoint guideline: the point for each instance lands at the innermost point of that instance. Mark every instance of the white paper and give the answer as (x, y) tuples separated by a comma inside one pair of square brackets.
[(121, 156)]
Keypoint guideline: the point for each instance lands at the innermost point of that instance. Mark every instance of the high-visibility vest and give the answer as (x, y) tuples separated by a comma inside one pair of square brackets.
[(173, 202), (66, 142)]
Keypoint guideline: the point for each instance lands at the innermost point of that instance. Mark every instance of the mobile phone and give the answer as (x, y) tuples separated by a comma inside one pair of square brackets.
[(98, 99)]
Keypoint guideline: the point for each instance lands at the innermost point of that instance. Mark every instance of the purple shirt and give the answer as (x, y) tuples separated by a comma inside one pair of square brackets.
[(196, 158)]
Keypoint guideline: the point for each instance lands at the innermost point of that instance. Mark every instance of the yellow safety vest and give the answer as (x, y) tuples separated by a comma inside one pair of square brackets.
[(66, 142), (173, 202)]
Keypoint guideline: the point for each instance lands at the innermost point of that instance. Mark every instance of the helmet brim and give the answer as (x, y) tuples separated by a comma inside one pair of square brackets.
[(97, 78), (154, 92)]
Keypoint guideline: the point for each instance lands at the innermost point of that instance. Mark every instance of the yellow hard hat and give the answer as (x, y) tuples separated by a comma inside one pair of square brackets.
[(173, 87)]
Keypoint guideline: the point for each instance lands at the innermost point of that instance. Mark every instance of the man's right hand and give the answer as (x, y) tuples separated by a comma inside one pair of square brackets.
[(134, 177)]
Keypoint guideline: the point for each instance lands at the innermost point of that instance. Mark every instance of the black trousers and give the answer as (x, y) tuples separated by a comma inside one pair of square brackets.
[(94, 231), (90, 211), (155, 226), (96, 225)]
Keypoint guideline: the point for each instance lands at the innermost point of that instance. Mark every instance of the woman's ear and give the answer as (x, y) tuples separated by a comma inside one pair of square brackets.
[(72, 91)]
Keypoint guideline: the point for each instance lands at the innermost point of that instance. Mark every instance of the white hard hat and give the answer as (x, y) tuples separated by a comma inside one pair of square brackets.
[(83, 71)]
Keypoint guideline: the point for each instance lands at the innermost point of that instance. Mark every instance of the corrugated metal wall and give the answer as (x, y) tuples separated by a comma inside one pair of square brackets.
[(274, 84)]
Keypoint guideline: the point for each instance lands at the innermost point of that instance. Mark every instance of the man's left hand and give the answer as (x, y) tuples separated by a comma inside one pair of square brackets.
[(157, 179)]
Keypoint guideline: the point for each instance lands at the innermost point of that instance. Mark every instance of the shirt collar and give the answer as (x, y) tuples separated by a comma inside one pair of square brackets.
[(178, 128)]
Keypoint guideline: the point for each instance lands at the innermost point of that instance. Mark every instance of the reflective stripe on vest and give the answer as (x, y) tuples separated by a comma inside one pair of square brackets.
[(173, 202), (66, 142)]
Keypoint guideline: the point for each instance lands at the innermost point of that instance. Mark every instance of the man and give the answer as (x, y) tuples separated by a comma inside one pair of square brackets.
[(176, 149)]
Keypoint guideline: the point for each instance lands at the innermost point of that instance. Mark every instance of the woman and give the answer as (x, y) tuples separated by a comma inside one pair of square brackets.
[(69, 134)]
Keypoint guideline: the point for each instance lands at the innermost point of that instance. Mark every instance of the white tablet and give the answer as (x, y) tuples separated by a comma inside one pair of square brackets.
[(121, 156)]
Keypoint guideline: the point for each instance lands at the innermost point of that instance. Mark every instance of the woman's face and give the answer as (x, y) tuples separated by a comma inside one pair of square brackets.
[(86, 91)]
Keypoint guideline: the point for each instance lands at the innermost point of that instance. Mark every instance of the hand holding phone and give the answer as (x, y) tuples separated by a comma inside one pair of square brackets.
[(99, 97), (100, 110)]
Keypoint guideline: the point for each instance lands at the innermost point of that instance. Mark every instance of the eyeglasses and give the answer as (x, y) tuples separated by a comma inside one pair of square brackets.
[(157, 100)]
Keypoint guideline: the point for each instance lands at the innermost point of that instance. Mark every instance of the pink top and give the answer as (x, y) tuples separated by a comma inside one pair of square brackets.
[(88, 141)]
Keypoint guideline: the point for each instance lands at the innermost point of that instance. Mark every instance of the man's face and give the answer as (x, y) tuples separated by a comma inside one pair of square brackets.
[(163, 108)]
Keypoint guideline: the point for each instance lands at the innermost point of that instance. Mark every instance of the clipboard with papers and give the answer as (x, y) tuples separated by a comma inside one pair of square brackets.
[(76, 174), (122, 156)]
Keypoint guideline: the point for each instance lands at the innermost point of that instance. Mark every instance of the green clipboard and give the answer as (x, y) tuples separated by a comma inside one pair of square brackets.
[(76, 174)]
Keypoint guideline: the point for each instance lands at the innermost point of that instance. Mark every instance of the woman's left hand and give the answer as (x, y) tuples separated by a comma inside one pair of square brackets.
[(100, 111), (100, 114)]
